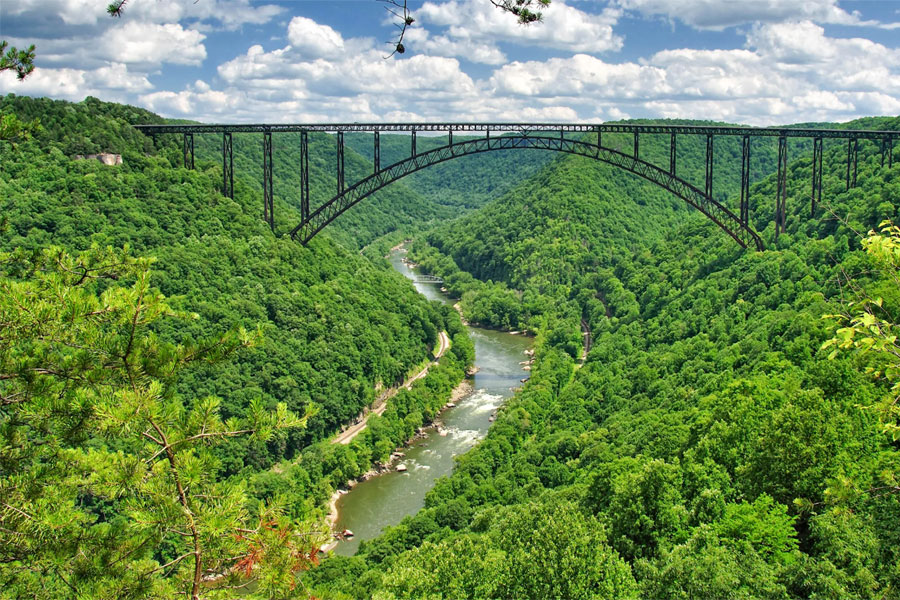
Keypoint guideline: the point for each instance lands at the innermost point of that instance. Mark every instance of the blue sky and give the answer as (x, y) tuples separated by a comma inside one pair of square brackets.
[(760, 62)]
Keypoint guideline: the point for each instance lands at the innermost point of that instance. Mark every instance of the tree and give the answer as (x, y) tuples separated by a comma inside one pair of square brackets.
[(870, 327), (12, 129), (536, 550), (107, 478)]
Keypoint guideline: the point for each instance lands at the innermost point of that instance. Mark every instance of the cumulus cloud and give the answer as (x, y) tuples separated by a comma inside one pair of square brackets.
[(786, 71), (150, 43), (312, 40), (112, 82), (478, 23), (355, 66), (198, 98), (442, 45), (229, 14), (716, 14)]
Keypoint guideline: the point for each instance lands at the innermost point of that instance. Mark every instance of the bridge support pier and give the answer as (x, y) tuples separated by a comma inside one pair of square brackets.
[(340, 162), (377, 150), (304, 175), (709, 165), (781, 187), (227, 166), (268, 192), (852, 153), (188, 150), (412, 143), (672, 148), (745, 180), (816, 195)]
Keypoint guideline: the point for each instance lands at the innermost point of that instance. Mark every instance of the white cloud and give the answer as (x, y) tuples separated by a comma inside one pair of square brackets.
[(230, 14), (191, 101), (116, 76), (113, 82), (150, 43), (358, 68), (803, 50), (479, 23), (313, 40), (442, 45), (787, 71), (720, 14), (578, 76)]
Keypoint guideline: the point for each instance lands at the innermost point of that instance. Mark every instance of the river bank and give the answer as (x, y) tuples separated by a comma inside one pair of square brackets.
[(463, 389), (380, 405), (385, 497)]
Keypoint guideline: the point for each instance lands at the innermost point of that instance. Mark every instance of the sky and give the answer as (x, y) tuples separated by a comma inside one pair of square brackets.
[(754, 62)]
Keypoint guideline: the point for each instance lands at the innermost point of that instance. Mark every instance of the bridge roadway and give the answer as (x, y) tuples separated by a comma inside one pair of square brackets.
[(520, 128), (544, 136)]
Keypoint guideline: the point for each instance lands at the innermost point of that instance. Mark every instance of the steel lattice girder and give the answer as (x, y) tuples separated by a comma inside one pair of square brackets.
[(523, 128), (719, 214)]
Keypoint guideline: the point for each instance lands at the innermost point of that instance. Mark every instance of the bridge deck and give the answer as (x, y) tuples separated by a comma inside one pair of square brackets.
[(523, 128)]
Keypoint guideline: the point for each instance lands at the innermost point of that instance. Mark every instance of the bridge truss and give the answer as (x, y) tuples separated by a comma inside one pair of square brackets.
[(544, 136)]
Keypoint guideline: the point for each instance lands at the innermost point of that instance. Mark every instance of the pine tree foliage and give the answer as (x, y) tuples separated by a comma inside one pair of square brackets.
[(108, 481)]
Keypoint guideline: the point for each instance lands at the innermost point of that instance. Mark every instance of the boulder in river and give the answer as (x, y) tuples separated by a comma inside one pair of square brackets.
[(347, 533), (401, 468)]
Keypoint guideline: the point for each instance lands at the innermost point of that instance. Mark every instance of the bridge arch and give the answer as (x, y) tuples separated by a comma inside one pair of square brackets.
[(716, 212)]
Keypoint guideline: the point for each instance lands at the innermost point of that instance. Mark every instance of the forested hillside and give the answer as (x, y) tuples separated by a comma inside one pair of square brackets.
[(463, 183), (713, 443), (708, 447), (333, 330), (325, 312)]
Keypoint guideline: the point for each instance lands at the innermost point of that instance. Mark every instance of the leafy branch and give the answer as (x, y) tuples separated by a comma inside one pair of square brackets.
[(868, 327), (116, 8), (21, 61), (404, 20), (528, 11), (12, 129)]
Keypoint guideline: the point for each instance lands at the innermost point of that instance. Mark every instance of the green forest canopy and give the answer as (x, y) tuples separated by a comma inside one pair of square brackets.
[(707, 448)]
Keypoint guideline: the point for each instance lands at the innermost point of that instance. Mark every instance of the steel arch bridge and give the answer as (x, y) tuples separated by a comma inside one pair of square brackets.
[(543, 136)]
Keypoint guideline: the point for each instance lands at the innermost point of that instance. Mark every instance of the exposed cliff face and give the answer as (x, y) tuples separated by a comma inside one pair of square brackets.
[(105, 157)]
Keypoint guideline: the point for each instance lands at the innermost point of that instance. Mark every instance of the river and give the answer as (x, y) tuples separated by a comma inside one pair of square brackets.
[(384, 500)]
